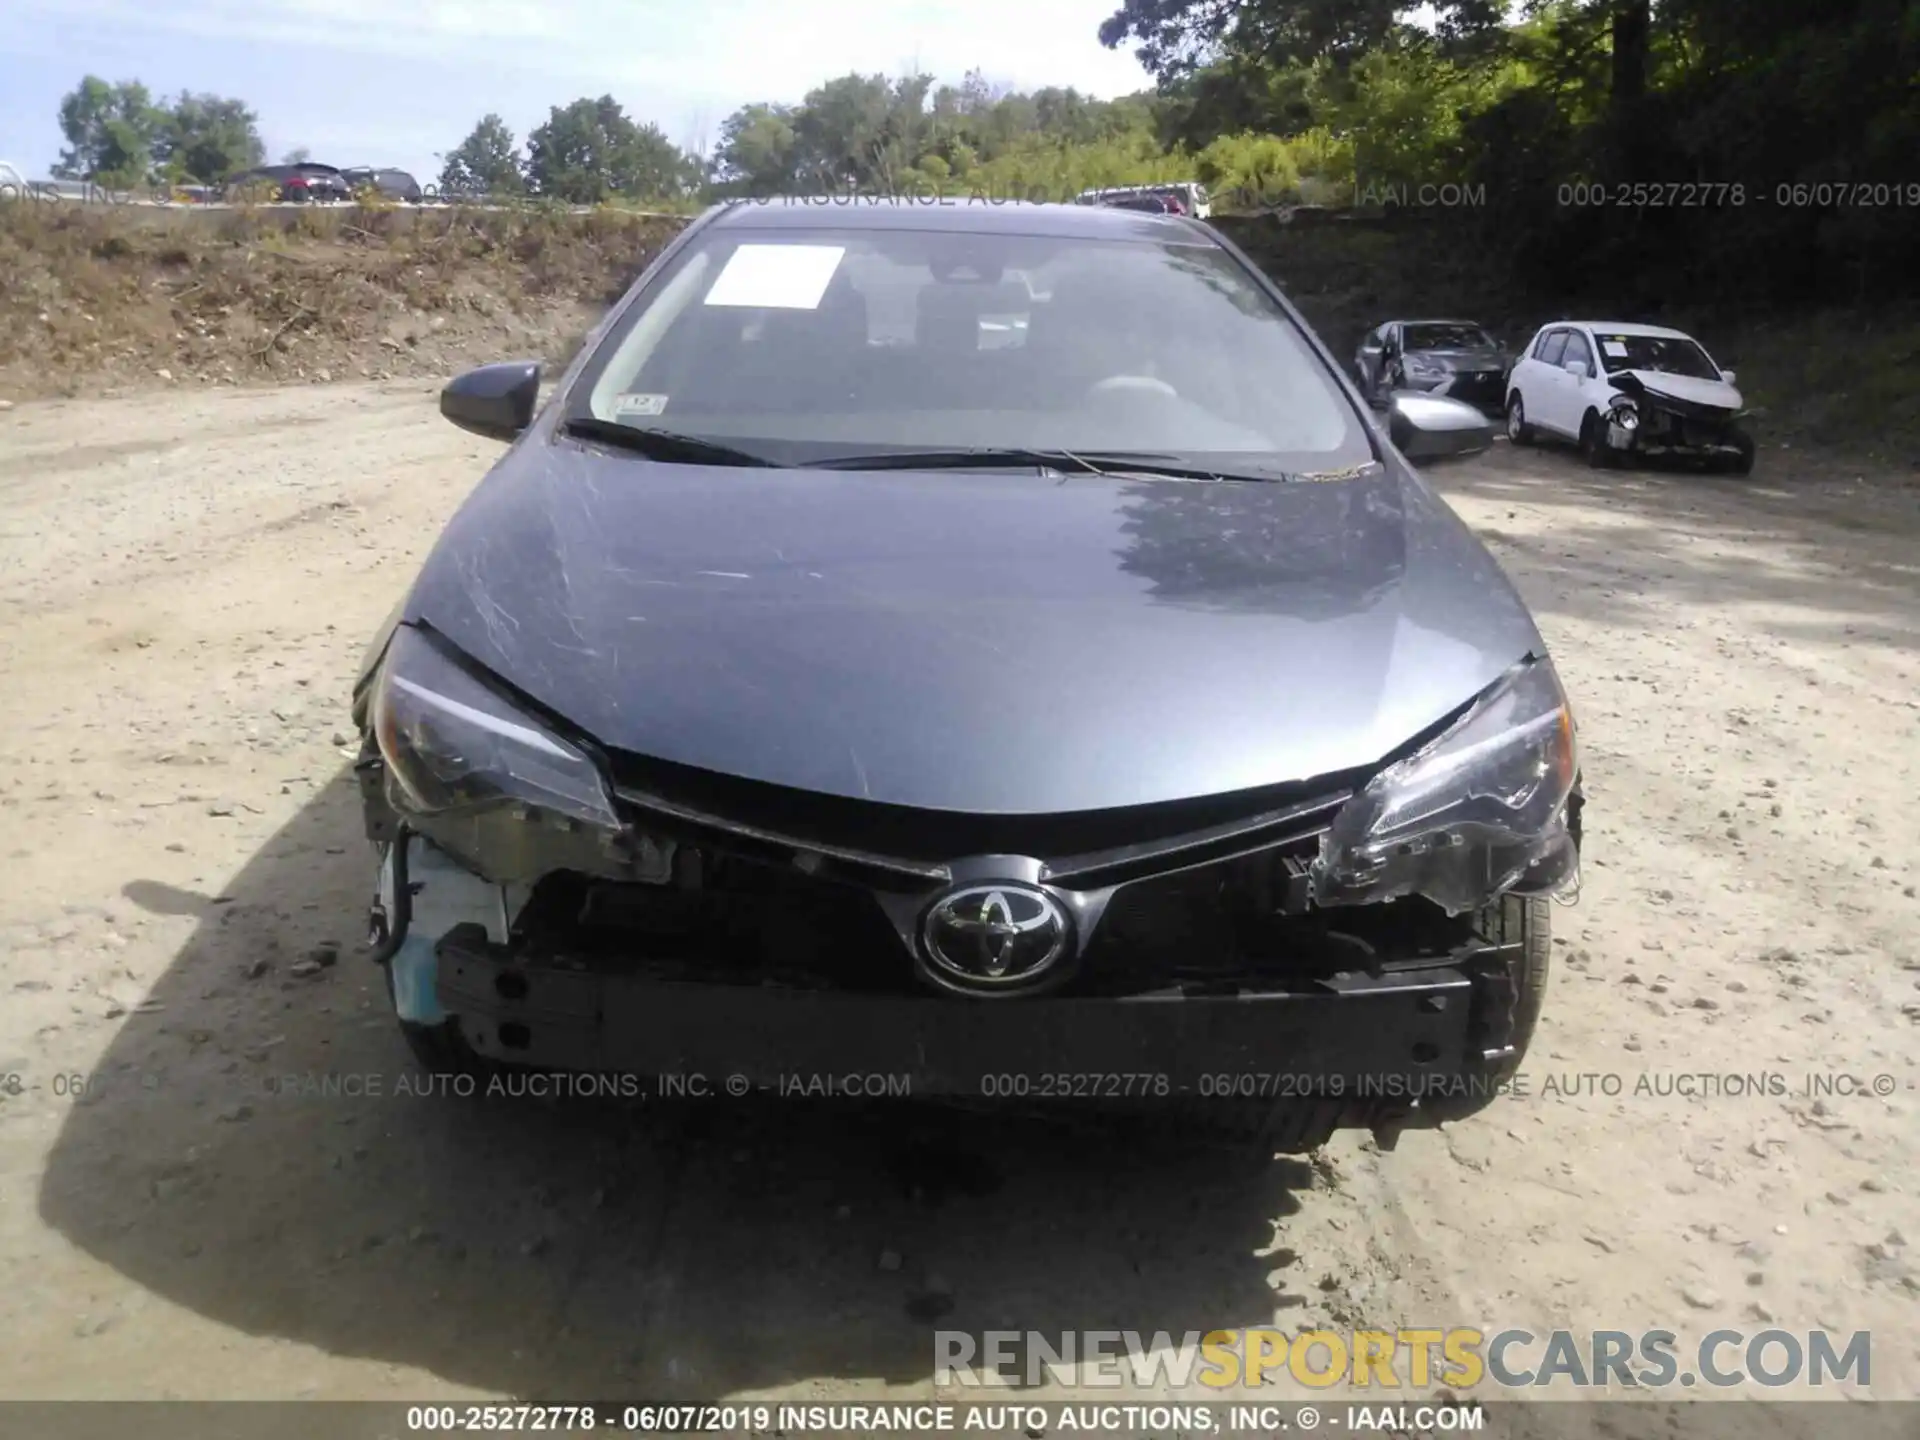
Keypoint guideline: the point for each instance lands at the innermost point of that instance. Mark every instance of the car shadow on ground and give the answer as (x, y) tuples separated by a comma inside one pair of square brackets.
[(554, 1248), (1845, 557)]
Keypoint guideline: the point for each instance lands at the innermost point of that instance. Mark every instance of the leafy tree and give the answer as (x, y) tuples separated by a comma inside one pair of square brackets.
[(591, 151), (756, 152), (206, 138), (842, 133), (487, 162), (111, 132)]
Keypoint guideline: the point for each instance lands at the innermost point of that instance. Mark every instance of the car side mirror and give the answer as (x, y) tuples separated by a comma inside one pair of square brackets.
[(1371, 347), (1577, 369), (1435, 427), (495, 400), (1727, 375)]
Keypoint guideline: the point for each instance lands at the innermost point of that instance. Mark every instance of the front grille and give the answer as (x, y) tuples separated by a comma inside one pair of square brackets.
[(740, 924), (899, 847), (785, 888)]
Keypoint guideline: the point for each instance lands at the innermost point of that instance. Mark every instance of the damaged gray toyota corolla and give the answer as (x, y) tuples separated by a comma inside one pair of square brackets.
[(990, 647)]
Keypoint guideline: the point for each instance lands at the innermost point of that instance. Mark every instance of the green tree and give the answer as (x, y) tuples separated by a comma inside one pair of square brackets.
[(487, 162), (841, 132), (111, 132), (591, 151), (1177, 37), (757, 151), (206, 138)]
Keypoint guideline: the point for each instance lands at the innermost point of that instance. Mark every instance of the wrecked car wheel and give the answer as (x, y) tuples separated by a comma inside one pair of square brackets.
[(1595, 446), (1525, 923), (1518, 430), (440, 1049), (1742, 463)]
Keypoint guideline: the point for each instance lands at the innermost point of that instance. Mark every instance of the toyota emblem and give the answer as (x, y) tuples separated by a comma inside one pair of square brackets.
[(997, 936)]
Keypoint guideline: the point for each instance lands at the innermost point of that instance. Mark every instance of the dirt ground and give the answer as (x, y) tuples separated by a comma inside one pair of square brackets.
[(186, 582)]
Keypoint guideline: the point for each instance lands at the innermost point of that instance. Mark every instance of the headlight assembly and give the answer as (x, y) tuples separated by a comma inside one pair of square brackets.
[(454, 747), (1478, 812)]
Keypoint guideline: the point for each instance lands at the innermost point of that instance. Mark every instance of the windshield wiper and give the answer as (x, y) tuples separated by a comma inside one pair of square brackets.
[(658, 444), (1118, 464)]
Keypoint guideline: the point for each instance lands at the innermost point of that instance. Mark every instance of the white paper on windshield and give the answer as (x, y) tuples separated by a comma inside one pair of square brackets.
[(777, 277), (632, 402), (1614, 349)]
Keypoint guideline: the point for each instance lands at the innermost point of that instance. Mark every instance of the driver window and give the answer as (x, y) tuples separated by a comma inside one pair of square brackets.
[(1553, 348), (1578, 349)]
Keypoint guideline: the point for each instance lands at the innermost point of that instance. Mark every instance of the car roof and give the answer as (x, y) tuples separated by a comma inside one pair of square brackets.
[(1442, 321), (1615, 327), (281, 172), (961, 214)]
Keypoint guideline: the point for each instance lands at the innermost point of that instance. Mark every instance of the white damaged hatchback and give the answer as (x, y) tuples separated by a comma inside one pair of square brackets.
[(1624, 391)]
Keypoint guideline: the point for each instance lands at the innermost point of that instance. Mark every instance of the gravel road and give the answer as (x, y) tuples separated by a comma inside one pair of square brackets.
[(186, 582)]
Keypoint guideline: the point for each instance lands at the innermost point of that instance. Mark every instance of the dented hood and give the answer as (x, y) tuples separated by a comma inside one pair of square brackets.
[(984, 642), (1709, 394)]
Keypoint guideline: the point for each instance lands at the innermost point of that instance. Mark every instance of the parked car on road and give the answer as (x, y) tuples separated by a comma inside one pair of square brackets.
[(387, 184), (1185, 197), (1147, 201), (1625, 391), (1095, 708), (291, 184), (1440, 357)]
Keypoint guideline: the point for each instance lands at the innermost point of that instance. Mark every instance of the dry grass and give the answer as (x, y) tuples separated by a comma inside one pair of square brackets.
[(97, 295)]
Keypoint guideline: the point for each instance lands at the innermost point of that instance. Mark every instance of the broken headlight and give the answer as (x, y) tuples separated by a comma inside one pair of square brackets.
[(454, 746), (1477, 812)]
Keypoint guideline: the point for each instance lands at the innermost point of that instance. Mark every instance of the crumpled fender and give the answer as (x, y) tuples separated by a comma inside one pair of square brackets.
[(1633, 387)]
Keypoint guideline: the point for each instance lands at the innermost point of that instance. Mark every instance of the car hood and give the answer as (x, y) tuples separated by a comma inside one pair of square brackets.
[(1463, 359), (1715, 393), (980, 642)]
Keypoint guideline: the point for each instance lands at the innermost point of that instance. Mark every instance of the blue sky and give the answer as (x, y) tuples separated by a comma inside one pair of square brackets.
[(394, 82)]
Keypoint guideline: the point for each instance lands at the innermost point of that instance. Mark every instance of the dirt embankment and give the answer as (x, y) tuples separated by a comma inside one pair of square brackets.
[(99, 297)]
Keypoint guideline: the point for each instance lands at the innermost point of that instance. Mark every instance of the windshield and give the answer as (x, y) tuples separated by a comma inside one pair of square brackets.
[(1664, 355), (811, 344), (1436, 336)]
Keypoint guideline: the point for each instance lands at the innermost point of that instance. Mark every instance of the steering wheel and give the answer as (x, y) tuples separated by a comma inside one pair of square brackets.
[(1132, 382)]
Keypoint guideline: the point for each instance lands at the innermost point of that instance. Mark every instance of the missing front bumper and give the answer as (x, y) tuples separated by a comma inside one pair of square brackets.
[(1382, 1037)]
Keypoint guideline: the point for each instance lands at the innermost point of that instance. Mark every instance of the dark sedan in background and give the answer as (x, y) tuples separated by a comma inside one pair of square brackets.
[(293, 184), (991, 648), (386, 184), (1455, 358)]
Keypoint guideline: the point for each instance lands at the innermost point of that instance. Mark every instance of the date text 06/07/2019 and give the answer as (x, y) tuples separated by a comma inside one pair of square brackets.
[(917, 1418)]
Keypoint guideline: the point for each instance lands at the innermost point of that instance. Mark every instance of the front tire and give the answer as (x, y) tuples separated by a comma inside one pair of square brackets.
[(1518, 430), (440, 1050), (1742, 464), (1525, 921), (1594, 445)]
